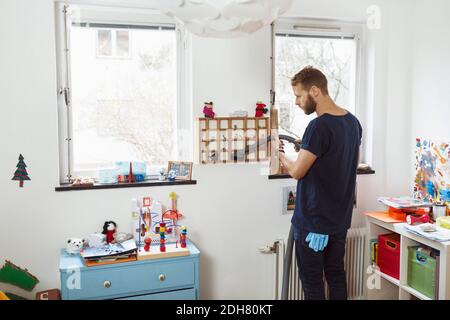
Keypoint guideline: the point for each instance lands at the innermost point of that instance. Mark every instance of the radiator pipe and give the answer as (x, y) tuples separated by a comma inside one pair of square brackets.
[(287, 264)]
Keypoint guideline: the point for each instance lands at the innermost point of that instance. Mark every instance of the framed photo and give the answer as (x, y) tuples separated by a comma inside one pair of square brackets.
[(183, 170), (289, 196)]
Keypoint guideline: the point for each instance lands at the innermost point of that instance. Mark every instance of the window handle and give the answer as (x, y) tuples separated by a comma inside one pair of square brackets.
[(65, 92)]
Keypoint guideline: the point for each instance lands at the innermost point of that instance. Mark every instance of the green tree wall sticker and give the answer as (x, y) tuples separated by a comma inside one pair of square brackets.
[(21, 173)]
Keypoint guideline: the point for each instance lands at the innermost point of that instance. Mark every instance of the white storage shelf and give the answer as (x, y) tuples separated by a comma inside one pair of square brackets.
[(392, 288)]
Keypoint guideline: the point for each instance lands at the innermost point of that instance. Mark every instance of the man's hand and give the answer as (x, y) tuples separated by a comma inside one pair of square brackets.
[(280, 145), (317, 241)]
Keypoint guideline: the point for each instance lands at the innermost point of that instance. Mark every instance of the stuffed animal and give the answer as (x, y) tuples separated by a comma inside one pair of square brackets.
[(260, 109), (208, 110), (74, 245), (109, 228)]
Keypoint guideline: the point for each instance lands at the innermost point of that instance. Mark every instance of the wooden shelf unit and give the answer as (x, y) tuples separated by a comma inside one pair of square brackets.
[(224, 139), (391, 288)]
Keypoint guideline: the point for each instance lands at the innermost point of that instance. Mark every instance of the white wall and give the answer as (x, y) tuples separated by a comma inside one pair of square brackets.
[(233, 209), (430, 107)]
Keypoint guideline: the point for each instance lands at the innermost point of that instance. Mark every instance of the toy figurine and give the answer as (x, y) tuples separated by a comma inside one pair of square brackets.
[(208, 110), (183, 236), (147, 242), (171, 175), (162, 234), (75, 245), (260, 109), (130, 178), (109, 228), (162, 174)]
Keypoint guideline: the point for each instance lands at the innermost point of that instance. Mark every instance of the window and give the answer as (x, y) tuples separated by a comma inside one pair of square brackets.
[(122, 92), (332, 49)]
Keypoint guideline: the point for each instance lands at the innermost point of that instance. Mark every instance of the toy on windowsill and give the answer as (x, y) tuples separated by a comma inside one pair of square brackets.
[(260, 109), (208, 110), (130, 178), (82, 181), (171, 176), (109, 228), (162, 174), (130, 171)]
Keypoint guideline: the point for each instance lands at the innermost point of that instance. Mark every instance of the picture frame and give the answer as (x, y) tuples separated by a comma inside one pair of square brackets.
[(289, 198), (183, 170)]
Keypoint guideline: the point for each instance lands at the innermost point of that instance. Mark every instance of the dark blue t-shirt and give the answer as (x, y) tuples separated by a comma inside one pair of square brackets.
[(326, 194)]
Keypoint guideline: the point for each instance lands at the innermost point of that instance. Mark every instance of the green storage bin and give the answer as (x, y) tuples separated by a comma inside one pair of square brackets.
[(421, 272)]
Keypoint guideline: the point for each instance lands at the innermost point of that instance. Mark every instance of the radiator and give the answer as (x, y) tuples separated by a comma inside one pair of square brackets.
[(354, 266)]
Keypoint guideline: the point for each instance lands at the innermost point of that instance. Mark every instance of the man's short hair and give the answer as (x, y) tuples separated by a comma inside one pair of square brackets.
[(309, 77)]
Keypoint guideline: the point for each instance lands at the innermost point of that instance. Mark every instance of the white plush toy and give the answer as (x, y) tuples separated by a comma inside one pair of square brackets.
[(74, 245)]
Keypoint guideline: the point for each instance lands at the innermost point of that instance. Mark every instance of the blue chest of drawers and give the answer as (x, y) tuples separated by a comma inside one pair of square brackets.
[(159, 279)]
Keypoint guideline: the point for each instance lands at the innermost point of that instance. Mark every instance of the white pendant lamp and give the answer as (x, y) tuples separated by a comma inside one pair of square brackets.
[(224, 18)]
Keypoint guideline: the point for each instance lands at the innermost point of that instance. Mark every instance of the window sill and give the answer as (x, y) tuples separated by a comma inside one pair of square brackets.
[(287, 176), (148, 183)]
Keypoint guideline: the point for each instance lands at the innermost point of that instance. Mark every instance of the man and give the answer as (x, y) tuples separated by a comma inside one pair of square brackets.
[(326, 172)]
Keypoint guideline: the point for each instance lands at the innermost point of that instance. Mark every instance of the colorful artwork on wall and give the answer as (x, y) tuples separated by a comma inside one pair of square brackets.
[(432, 180)]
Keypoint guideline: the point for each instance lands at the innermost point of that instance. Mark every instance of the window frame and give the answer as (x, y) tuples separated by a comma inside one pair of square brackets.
[(327, 28), (117, 16)]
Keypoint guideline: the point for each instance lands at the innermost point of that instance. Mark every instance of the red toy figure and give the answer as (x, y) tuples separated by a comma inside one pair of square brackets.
[(208, 110), (130, 174), (109, 228), (417, 219), (260, 109), (147, 242)]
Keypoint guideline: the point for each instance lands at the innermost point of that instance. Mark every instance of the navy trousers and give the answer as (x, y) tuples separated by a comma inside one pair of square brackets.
[(313, 265)]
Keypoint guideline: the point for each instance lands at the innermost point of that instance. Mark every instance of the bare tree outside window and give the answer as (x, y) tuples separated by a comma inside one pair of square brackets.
[(335, 57)]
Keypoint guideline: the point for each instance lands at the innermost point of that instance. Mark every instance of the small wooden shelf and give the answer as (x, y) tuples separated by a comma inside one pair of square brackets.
[(219, 133)]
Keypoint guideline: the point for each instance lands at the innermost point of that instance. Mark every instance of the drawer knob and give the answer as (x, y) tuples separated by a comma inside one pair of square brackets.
[(107, 284), (162, 277)]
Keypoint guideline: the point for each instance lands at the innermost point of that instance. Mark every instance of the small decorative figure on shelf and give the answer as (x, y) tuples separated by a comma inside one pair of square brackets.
[(130, 174), (171, 175), (208, 110), (109, 228), (162, 174), (260, 109)]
